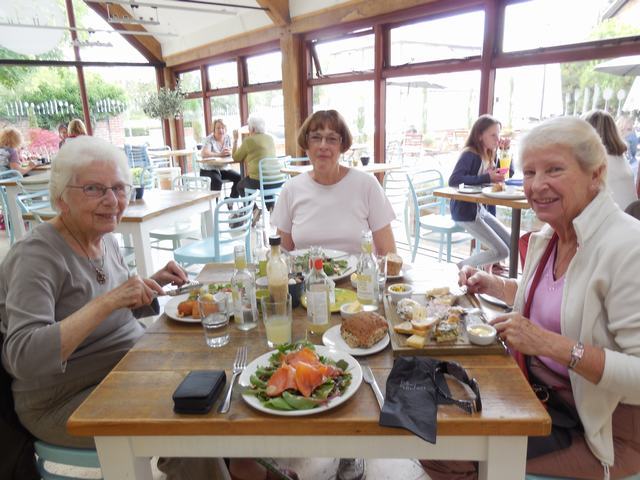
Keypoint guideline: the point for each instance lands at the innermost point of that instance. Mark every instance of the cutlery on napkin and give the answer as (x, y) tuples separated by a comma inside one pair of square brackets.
[(367, 374)]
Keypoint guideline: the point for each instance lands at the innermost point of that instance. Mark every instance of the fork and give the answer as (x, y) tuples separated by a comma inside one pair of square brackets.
[(238, 366)]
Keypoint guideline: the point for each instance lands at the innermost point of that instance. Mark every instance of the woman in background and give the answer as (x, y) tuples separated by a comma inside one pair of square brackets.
[(619, 175), (10, 156), (76, 128), (476, 166), (218, 145)]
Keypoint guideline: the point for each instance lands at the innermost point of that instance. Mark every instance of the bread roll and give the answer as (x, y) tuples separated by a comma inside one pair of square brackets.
[(394, 264), (363, 330)]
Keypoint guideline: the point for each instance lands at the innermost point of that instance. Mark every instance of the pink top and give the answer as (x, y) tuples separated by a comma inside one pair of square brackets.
[(546, 307)]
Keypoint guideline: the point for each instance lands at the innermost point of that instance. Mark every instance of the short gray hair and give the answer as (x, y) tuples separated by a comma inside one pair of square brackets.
[(570, 132), (256, 123), (78, 153)]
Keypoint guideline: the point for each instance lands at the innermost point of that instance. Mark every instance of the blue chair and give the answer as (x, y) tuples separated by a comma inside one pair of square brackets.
[(7, 176), (138, 156), (271, 180), (426, 215), (76, 457), (230, 227), (33, 202)]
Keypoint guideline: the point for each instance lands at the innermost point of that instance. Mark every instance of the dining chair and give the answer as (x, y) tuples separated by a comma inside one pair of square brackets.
[(138, 156), (426, 215), (396, 189), (230, 228), (32, 202), (187, 228), (75, 457), (271, 180), (7, 176)]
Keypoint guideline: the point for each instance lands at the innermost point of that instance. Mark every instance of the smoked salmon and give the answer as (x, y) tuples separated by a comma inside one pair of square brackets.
[(284, 378)]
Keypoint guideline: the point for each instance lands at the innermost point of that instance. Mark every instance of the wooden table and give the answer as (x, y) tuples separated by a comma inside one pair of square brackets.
[(516, 208), (371, 168), (131, 416), (170, 154), (216, 162), (158, 208)]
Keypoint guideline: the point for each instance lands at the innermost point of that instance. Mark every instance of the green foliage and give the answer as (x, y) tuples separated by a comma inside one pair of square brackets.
[(164, 104)]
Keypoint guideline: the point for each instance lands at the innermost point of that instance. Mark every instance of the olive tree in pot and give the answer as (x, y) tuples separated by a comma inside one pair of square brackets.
[(165, 104)]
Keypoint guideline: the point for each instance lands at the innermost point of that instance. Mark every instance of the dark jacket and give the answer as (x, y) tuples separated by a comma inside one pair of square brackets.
[(466, 171)]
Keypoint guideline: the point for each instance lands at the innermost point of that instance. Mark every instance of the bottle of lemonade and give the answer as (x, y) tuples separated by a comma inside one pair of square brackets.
[(243, 288), (367, 272), (317, 288), (260, 249), (277, 272)]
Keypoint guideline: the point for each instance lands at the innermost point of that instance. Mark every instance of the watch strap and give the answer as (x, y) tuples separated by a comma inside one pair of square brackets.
[(576, 355)]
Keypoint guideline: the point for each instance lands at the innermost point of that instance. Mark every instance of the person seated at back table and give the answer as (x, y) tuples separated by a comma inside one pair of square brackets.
[(576, 324), (10, 155), (330, 206), (476, 166), (218, 145), (68, 303), (63, 133), (76, 128), (255, 147)]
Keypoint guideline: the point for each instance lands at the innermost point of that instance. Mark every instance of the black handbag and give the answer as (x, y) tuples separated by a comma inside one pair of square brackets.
[(198, 391)]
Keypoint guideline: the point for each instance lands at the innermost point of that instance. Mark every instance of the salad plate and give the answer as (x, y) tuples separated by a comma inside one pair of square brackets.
[(511, 193), (171, 309), (345, 262), (263, 360), (333, 339)]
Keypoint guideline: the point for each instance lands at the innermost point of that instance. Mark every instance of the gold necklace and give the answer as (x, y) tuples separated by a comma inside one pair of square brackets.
[(101, 276)]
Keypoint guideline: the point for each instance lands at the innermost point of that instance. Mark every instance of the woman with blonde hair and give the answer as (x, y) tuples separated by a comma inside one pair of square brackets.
[(619, 175), (10, 157), (76, 128)]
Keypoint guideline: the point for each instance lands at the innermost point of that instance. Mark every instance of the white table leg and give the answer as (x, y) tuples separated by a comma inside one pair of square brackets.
[(142, 250), (118, 462), (15, 216), (505, 456)]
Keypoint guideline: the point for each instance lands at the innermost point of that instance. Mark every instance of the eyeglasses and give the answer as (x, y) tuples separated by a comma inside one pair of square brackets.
[(316, 139), (96, 190), (456, 371)]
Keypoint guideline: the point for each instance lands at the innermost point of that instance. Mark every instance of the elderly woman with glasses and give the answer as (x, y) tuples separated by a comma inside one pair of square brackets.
[(332, 204), (67, 300), (576, 325)]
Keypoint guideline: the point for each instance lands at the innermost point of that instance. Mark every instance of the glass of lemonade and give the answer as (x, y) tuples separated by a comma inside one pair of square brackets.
[(505, 163), (214, 315), (277, 320)]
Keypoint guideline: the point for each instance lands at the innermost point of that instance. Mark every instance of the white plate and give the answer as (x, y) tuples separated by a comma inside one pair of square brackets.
[(171, 309), (352, 261), (405, 268), (263, 360), (469, 189), (333, 339), (515, 194)]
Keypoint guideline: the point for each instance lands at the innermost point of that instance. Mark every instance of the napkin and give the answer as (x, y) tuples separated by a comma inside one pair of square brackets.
[(411, 401)]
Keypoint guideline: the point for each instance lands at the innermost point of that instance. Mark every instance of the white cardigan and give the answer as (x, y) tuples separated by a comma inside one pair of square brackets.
[(601, 307)]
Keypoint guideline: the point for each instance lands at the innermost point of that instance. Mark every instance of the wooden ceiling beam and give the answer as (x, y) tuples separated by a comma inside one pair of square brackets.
[(148, 46), (278, 11)]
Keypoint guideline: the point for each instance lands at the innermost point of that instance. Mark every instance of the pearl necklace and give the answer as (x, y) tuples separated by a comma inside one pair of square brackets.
[(101, 276)]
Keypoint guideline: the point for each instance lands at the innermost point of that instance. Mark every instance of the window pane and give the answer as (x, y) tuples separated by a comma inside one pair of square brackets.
[(524, 96), (430, 115), (265, 68), (458, 36), (346, 55), (530, 25), (116, 114), (193, 121), (226, 108), (35, 100), (190, 81), (354, 101), (223, 75), (269, 105)]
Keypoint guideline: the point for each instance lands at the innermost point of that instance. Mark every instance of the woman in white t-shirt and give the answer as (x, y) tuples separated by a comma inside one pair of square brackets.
[(331, 205)]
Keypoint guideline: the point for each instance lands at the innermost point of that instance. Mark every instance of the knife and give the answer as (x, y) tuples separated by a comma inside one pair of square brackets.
[(187, 287), (371, 380)]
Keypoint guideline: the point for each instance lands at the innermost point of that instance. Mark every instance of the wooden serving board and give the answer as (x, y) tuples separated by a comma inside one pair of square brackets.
[(462, 346)]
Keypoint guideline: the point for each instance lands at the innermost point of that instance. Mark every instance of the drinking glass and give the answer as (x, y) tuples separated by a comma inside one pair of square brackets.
[(214, 315), (505, 163), (381, 263), (277, 320)]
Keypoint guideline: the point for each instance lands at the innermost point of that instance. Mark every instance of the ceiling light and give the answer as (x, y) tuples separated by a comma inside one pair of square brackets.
[(91, 43), (132, 20)]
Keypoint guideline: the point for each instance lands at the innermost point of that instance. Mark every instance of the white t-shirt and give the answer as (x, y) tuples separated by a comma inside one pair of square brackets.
[(332, 216), (620, 180)]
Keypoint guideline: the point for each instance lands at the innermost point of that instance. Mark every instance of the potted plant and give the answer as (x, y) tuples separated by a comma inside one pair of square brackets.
[(165, 103), (138, 176)]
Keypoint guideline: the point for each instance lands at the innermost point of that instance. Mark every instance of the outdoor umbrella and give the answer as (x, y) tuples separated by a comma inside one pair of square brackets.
[(633, 97), (620, 66)]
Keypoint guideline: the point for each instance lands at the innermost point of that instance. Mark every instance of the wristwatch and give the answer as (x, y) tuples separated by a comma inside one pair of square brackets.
[(576, 355)]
